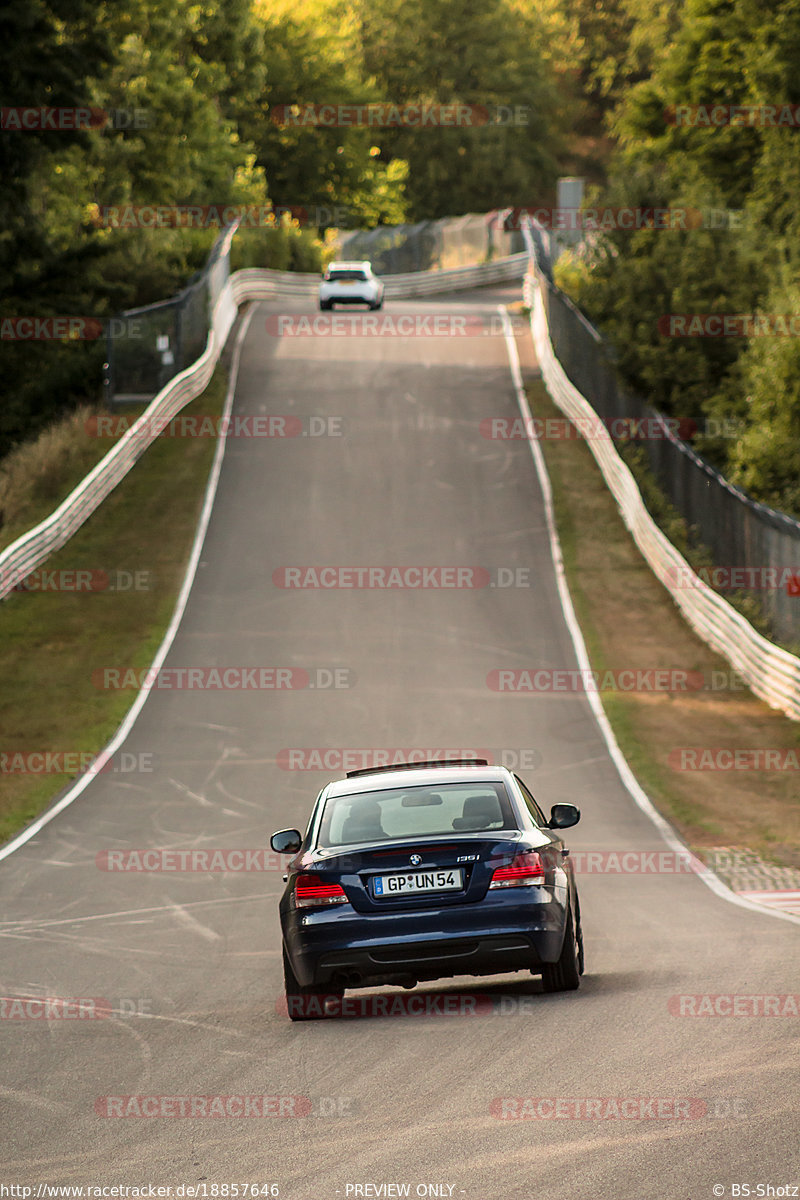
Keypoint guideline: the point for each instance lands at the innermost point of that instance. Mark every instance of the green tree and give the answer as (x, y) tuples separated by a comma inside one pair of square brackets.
[(47, 50), (765, 460), (311, 167), (467, 52), (725, 52), (186, 68)]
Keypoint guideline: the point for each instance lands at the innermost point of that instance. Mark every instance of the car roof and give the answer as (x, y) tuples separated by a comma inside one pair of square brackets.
[(416, 777), (342, 265)]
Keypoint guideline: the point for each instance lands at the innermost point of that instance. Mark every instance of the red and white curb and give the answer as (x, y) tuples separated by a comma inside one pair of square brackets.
[(787, 902)]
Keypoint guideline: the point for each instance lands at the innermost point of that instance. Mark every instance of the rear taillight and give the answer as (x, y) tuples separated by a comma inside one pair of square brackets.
[(312, 892), (526, 870)]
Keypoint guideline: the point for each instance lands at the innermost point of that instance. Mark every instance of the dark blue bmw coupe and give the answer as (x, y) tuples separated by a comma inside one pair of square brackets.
[(423, 871)]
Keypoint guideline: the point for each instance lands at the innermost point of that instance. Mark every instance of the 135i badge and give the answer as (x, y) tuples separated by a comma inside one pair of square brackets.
[(468, 858)]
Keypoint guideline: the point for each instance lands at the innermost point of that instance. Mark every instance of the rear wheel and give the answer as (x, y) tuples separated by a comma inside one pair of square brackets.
[(325, 305), (565, 975), (305, 1003)]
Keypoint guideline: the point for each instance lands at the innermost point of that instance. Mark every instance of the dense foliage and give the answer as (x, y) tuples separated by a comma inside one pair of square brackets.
[(739, 178), (582, 86), (195, 87)]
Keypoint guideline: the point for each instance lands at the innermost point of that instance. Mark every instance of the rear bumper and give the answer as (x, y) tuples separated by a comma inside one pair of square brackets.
[(346, 949), (415, 961), (349, 298)]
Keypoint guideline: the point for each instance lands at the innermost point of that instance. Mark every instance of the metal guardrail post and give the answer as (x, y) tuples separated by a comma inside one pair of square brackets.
[(108, 369)]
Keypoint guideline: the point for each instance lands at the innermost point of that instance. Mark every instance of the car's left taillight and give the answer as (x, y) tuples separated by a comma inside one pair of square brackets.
[(525, 870), (310, 891)]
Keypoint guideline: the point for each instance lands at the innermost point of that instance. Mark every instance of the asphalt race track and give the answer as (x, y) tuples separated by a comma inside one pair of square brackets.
[(654, 1102)]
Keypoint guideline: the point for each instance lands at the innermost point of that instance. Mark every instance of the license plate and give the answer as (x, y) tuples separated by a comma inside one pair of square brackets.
[(446, 880), (347, 282)]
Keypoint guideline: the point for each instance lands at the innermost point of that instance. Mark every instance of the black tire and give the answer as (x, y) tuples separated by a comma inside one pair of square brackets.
[(325, 305), (305, 1003), (581, 959), (378, 305), (565, 975)]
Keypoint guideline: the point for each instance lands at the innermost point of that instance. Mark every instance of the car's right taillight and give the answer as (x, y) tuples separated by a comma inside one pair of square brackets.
[(525, 870), (310, 891)]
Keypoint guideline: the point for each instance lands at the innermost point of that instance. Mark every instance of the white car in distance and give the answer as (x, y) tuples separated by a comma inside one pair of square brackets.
[(350, 283)]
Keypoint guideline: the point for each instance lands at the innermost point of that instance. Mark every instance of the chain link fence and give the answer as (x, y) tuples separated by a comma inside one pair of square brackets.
[(754, 548), (433, 245), (150, 345)]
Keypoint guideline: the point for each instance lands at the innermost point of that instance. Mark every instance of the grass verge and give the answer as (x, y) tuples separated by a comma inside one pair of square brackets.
[(138, 542), (629, 621), (37, 475)]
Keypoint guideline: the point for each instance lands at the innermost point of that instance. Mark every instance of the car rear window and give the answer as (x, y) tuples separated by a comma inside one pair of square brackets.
[(415, 812), (335, 276)]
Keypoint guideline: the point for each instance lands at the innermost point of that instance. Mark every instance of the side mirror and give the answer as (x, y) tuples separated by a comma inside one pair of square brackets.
[(286, 841), (563, 816)]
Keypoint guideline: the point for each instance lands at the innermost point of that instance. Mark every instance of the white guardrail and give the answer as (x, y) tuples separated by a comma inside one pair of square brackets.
[(28, 552), (771, 673)]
